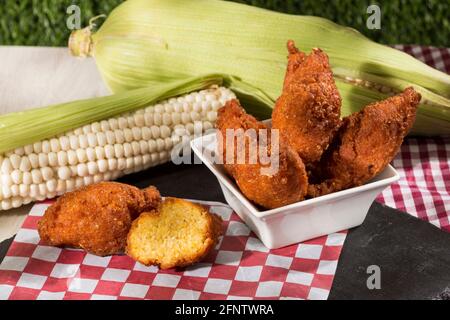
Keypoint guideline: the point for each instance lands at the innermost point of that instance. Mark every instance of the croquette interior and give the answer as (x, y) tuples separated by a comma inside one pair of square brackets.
[(179, 233)]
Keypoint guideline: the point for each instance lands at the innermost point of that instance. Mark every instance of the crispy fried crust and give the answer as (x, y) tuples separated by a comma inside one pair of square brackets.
[(177, 234), (96, 218), (308, 110), (286, 185), (295, 59), (233, 116), (366, 143)]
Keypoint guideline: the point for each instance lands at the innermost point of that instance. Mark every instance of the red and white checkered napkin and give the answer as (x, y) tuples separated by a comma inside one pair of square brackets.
[(438, 58), (424, 164), (424, 186), (241, 267)]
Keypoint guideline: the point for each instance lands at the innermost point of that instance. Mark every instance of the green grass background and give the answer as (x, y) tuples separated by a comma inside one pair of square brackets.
[(425, 22)]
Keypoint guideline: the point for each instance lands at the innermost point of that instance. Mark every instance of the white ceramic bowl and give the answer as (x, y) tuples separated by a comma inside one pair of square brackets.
[(299, 221)]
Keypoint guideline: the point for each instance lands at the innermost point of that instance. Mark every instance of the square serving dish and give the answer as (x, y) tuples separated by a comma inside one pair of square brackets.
[(299, 221)]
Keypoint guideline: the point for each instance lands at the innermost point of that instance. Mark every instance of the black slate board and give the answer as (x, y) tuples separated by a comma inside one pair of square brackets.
[(413, 255)]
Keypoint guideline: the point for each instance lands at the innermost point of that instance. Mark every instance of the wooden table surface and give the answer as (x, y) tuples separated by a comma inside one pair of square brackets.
[(33, 77)]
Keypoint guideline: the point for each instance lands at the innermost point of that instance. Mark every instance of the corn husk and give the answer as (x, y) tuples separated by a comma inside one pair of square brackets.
[(149, 41), (22, 128)]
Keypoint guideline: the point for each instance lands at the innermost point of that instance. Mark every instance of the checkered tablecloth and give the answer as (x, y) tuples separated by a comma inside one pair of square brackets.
[(423, 163), (240, 267), (424, 186)]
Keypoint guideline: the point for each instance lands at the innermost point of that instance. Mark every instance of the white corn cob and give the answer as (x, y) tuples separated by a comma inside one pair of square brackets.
[(105, 150)]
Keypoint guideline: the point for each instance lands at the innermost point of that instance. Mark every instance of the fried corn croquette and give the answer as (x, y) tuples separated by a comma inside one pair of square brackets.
[(308, 110), (284, 185), (233, 116), (96, 218), (366, 143), (177, 234)]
